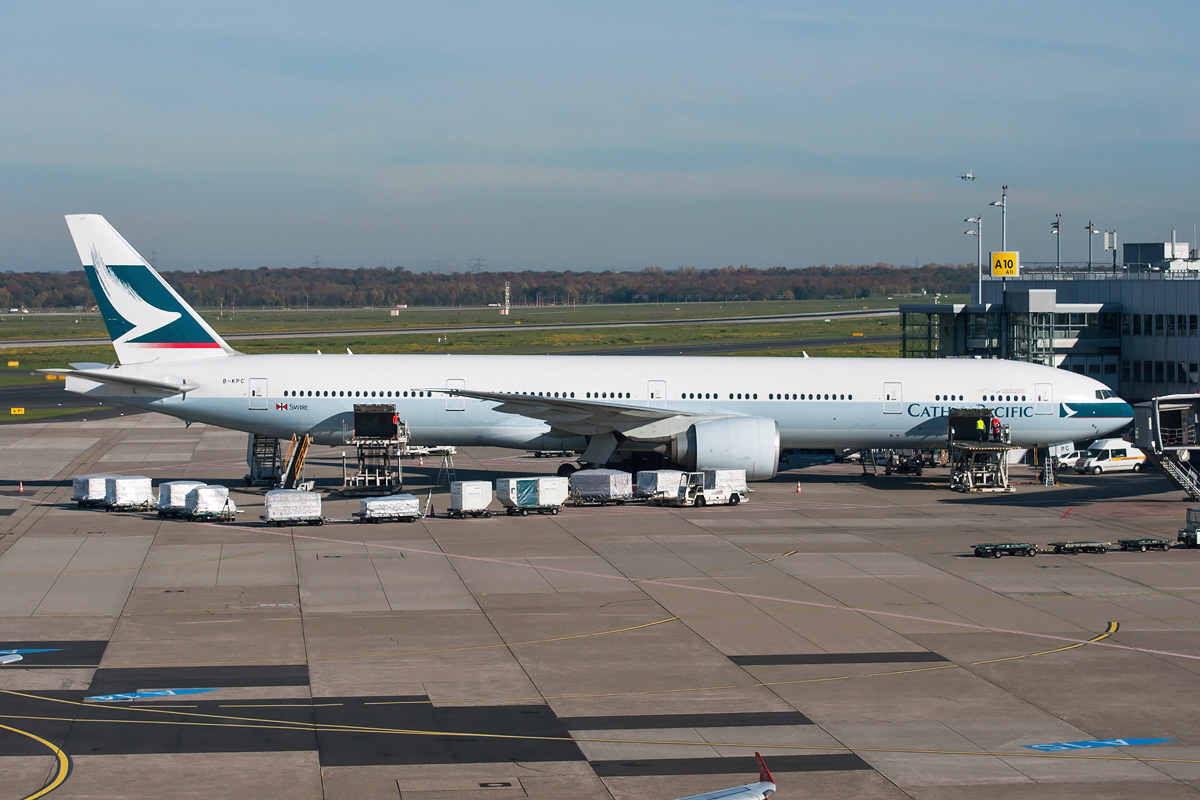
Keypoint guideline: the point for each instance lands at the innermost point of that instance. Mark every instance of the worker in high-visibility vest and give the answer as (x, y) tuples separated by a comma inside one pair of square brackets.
[(981, 429)]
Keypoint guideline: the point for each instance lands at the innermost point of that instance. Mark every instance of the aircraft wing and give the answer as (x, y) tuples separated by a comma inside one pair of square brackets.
[(764, 788), (111, 376), (589, 417)]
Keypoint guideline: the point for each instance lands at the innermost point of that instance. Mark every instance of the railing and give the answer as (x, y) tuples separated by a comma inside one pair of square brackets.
[(1184, 476)]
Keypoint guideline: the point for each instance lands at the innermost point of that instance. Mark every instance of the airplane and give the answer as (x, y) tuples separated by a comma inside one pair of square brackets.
[(970, 176), (696, 412), (761, 790)]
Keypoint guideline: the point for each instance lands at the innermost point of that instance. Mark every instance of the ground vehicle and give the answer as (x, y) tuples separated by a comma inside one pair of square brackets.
[(997, 549), (1071, 548), (1069, 460), (1144, 544), (1110, 455), (693, 493), (1189, 535)]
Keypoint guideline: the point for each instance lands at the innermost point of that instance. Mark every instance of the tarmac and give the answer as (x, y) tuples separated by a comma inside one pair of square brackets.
[(839, 625)]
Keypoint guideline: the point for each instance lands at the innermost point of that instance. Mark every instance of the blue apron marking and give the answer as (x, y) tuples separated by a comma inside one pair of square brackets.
[(1060, 746), (106, 698)]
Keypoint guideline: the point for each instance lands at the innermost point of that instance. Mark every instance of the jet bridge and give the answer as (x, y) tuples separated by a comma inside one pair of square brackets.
[(1166, 430)]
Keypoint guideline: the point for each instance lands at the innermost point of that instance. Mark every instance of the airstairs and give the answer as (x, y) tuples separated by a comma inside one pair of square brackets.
[(293, 465), (1167, 430)]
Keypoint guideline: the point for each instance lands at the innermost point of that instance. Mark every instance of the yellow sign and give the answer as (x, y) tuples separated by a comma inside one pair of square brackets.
[(1006, 265), (14, 363), (16, 412)]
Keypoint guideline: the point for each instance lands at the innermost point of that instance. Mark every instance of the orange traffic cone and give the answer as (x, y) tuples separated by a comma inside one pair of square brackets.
[(20, 487), (797, 487), (421, 461)]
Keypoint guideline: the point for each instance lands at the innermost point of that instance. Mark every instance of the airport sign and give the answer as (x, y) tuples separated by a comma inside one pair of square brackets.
[(1006, 264)]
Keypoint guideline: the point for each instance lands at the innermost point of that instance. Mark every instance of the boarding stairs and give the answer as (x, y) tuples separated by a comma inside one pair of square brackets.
[(1167, 430), (293, 467)]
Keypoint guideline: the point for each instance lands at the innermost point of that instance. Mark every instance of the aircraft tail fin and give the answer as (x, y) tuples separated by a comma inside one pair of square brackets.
[(146, 319), (764, 774)]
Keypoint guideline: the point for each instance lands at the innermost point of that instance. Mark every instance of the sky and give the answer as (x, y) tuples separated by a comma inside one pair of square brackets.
[(614, 135)]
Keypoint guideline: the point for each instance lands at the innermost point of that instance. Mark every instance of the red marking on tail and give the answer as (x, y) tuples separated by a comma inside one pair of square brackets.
[(764, 774)]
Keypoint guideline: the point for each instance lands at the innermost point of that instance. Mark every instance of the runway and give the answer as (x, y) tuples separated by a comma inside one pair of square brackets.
[(844, 631)]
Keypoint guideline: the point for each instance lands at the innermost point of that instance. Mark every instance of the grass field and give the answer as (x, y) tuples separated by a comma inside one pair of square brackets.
[(515, 340), (89, 325)]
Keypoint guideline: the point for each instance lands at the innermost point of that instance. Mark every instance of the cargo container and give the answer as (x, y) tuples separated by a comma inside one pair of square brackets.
[(128, 493), (391, 508), (209, 501), (172, 497), (470, 497), (292, 507), (88, 490), (601, 486), (731, 480), (657, 484), (545, 494)]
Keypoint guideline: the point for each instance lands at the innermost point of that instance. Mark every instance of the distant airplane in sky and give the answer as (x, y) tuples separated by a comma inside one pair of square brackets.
[(762, 789), (970, 176)]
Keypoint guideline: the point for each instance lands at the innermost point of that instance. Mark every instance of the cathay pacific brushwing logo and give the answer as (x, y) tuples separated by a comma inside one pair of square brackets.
[(132, 307), (1067, 411)]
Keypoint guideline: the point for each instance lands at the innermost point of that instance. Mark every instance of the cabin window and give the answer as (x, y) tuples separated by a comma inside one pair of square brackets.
[(756, 395)]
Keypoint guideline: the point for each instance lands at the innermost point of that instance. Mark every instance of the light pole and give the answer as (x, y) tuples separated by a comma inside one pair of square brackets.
[(1054, 226), (1092, 230), (977, 221), (1003, 203)]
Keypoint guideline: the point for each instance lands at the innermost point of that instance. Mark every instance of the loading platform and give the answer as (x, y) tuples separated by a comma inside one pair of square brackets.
[(979, 448), (378, 439)]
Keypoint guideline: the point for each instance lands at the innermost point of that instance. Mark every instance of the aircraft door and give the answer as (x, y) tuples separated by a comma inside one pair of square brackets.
[(893, 398), (455, 402), (656, 391), (1043, 398), (258, 394)]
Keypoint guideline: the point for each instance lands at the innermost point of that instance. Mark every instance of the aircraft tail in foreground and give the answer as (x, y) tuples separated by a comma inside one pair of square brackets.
[(764, 788), (146, 319)]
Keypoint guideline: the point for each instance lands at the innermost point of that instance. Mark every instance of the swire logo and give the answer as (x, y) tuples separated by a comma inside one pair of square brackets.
[(281, 406)]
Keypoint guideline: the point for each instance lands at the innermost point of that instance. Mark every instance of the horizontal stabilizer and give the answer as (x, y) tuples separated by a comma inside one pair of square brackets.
[(108, 376)]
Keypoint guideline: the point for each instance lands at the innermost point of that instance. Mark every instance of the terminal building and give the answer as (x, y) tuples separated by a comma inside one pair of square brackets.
[(1134, 326)]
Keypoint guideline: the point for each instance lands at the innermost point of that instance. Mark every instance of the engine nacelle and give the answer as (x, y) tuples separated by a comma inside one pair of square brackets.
[(749, 443)]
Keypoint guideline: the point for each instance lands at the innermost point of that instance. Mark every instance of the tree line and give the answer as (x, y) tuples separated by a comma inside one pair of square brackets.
[(329, 287)]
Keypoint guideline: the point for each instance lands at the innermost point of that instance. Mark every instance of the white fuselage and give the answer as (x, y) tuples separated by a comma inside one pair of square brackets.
[(817, 402)]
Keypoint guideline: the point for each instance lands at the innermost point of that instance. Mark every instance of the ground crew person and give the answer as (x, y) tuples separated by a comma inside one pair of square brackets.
[(981, 429), (995, 429)]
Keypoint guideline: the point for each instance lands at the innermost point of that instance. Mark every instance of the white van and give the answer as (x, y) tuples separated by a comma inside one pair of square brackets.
[(1110, 455)]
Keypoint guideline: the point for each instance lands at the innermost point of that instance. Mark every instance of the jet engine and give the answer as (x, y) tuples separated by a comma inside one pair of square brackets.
[(749, 443)]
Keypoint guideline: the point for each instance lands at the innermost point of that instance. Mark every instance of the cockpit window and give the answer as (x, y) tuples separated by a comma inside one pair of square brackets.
[(1104, 394)]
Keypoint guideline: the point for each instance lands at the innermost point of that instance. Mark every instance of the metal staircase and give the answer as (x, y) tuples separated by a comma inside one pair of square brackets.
[(294, 463), (1166, 429)]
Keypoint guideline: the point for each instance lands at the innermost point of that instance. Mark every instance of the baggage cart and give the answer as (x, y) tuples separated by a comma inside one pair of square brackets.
[(1071, 548), (88, 490), (209, 502), (544, 494), (729, 480), (128, 493), (601, 487), (655, 485), (1144, 543), (292, 507), (391, 508), (693, 491), (470, 498), (997, 549), (172, 497)]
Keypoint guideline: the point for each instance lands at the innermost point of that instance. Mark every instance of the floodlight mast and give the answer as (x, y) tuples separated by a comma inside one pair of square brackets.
[(977, 221), (1003, 204)]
